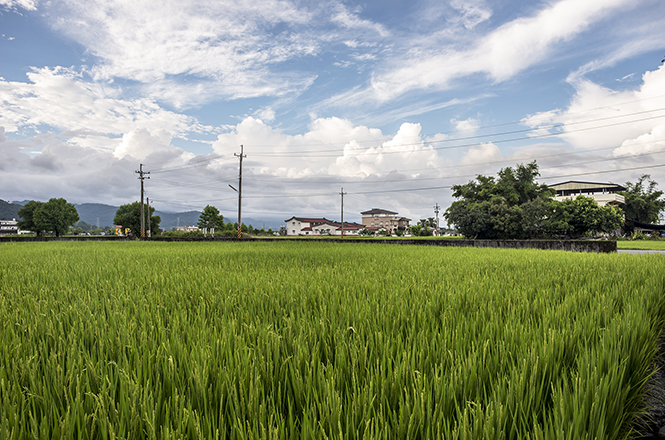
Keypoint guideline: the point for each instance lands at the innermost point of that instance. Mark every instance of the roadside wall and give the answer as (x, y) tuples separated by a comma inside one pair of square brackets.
[(602, 246), (20, 239)]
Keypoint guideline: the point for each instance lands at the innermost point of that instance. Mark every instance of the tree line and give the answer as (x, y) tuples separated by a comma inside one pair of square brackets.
[(57, 217), (516, 206), (129, 216), (512, 206)]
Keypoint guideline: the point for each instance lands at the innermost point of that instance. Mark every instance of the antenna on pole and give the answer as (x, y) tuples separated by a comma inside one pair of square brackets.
[(241, 156), (436, 211), (142, 177), (342, 194)]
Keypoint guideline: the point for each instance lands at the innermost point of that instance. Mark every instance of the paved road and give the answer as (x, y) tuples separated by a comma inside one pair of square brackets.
[(635, 251)]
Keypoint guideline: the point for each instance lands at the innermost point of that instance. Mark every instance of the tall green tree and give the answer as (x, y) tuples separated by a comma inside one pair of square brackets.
[(211, 218), (55, 216), (27, 214), (129, 216), (643, 202), (497, 209)]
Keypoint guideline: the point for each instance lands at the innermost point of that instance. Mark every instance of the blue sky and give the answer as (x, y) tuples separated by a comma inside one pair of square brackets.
[(393, 101)]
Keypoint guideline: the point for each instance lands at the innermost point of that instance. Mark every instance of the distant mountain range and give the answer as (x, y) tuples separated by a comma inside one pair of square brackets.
[(9, 210), (98, 214)]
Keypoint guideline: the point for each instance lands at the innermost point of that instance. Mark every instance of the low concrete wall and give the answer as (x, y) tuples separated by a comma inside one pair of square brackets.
[(20, 239), (602, 246)]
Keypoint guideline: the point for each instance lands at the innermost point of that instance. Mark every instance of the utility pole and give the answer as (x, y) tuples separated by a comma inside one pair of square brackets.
[(342, 194), (142, 177), (147, 199), (241, 156), (436, 211)]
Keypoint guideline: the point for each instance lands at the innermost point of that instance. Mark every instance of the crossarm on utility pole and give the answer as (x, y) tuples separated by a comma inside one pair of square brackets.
[(342, 194), (142, 177), (241, 156)]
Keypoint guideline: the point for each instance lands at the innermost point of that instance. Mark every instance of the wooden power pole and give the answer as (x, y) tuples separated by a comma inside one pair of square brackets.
[(342, 194), (241, 156), (142, 177)]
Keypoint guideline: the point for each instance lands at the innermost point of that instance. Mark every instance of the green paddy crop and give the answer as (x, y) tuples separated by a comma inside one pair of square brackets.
[(323, 340)]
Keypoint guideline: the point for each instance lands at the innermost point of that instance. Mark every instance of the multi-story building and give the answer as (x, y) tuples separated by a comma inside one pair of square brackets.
[(602, 193), (8, 227), (384, 219)]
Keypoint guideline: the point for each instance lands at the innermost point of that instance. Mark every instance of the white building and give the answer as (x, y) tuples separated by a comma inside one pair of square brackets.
[(319, 226), (335, 228), (8, 227), (296, 225), (602, 193), (191, 228)]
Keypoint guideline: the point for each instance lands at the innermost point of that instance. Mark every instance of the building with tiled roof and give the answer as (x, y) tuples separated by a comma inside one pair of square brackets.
[(384, 219), (319, 226), (303, 225)]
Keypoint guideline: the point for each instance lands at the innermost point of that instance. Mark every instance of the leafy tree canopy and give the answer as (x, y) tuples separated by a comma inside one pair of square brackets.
[(581, 216), (515, 206), (55, 216), (490, 208), (26, 213), (643, 201), (211, 218), (129, 216)]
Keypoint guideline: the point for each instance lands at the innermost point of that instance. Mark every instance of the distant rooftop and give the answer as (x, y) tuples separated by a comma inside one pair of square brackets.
[(574, 185), (374, 211), (309, 219)]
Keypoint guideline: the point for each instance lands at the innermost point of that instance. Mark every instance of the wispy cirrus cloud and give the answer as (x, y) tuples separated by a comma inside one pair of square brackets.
[(14, 5), (349, 20), (499, 55), (187, 53)]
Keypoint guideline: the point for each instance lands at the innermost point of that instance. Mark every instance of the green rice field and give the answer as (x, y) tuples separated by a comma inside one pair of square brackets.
[(317, 340)]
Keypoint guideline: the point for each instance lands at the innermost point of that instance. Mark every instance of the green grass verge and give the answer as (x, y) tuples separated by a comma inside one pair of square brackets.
[(655, 245), (318, 340)]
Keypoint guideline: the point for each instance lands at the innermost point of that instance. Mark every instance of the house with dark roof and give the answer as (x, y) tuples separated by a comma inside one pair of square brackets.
[(335, 228), (303, 225), (319, 226), (602, 193), (384, 219)]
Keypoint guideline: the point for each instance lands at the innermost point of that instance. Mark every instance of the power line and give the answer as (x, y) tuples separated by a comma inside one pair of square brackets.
[(388, 137), (429, 188), (191, 164), (358, 193), (605, 171), (366, 181), (435, 148), (204, 161)]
